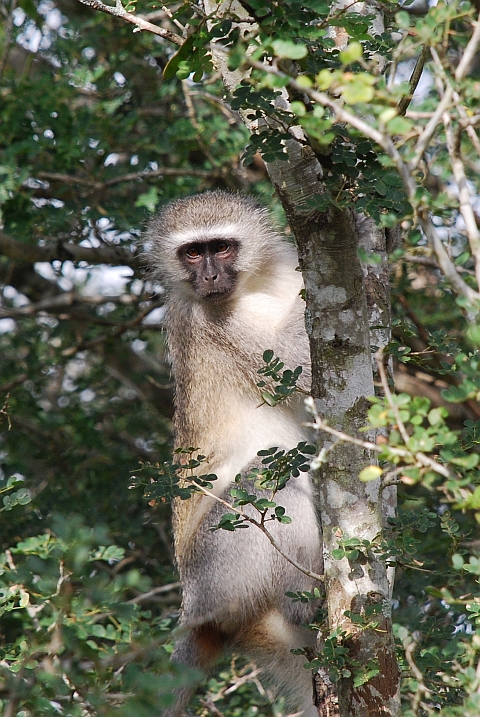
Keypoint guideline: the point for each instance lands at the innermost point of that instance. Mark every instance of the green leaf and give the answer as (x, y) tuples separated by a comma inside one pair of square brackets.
[(399, 125), (358, 91), (269, 399), (469, 461), (473, 334), (182, 56), (149, 199), (436, 416), (457, 561), (362, 678), (351, 54), (289, 50), (402, 19), (370, 473), (298, 108)]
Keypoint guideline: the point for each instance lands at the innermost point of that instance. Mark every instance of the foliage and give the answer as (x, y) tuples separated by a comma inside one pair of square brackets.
[(92, 140), (74, 637), (99, 127), (286, 380), (179, 479)]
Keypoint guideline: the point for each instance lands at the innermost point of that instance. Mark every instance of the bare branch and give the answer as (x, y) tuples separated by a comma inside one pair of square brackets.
[(448, 267), (421, 457), (425, 137), (137, 20), (466, 208), (388, 395), (320, 425), (119, 329), (423, 260), (469, 53), (68, 298), (414, 80), (445, 102), (155, 591), (131, 176), (66, 251), (467, 121), (417, 673), (6, 387)]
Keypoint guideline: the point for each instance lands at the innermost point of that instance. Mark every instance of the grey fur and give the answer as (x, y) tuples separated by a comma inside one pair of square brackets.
[(234, 584)]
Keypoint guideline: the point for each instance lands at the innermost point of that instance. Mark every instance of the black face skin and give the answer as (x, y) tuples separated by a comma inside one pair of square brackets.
[(211, 267)]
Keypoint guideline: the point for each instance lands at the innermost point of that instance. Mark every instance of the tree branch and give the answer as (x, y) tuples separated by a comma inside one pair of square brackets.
[(405, 170), (68, 298), (444, 104), (66, 251), (414, 80), (320, 425), (137, 20), (131, 176)]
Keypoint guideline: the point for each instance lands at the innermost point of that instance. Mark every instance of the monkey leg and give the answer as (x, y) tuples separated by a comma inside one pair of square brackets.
[(199, 648), (269, 642)]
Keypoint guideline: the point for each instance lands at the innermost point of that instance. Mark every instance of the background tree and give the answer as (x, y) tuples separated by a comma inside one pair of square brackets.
[(99, 126)]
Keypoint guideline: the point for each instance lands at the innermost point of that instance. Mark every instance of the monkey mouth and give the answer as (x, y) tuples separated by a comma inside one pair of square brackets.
[(217, 295)]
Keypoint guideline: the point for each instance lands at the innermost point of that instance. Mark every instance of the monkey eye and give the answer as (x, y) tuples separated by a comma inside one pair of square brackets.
[(193, 252), (221, 247)]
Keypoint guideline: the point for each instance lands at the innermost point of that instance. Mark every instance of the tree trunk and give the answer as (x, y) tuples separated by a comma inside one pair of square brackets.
[(338, 327)]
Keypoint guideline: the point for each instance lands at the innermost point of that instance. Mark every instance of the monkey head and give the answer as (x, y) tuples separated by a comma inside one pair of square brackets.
[(208, 245)]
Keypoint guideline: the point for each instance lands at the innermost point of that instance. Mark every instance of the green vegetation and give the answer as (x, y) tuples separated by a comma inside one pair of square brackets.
[(99, 126)]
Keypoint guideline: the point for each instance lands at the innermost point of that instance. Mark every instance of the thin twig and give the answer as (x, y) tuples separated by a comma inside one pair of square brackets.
[(168, 12), (63, 251), (414, 80), (118, 331), (70, 298), (421, 457), (6, 387), (130, 177), (425, 137), (423, 260), (388, 395), (417, 673), (195, 123), (155, 591), (466, 208), (259, 525), (320, 425), (454, 151)]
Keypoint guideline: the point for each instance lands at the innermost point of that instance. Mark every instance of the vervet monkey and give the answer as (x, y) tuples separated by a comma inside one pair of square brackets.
[(233, 292)]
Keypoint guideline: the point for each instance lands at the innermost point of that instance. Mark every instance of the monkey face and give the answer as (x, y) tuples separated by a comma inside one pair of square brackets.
[(211, 267)]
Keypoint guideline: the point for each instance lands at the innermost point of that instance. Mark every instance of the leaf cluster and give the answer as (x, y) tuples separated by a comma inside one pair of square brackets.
[(173, 479), (72, 623), (286, 380)]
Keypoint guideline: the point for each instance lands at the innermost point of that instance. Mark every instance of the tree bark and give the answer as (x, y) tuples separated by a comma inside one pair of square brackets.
[(339, 331), (374, 241)]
